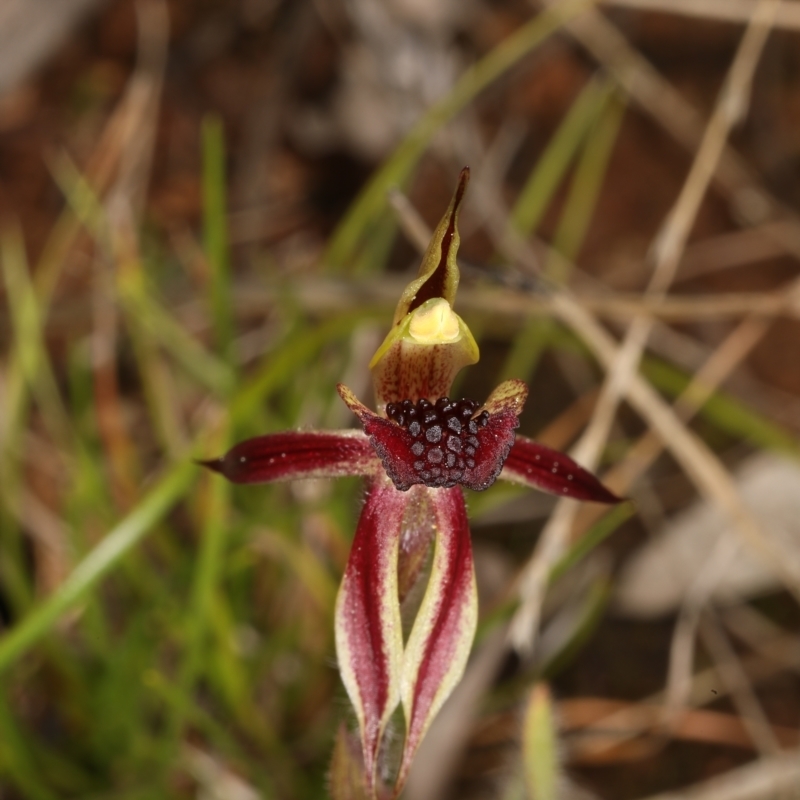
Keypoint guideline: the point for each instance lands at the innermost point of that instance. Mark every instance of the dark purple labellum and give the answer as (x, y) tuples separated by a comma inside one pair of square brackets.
[(441, 444), (445, 437)]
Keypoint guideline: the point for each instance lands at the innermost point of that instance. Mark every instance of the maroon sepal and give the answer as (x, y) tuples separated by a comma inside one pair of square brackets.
[(297, 454), (440, 641), (369, 639), (538, 466)]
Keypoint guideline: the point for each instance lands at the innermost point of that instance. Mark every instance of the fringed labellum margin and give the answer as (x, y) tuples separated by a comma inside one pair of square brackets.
[(417, 451)]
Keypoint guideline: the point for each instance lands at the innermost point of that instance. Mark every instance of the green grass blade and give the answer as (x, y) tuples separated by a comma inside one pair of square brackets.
[(137, 301), (527, 349), (597, 112), (30, 351), (589, 614), (552, 166), (540, 761), (15, 758), (100, 561), (588, 179), (157, 323), (725, 412), (597, 534), (160, 392), (216, 233), (371, 205), (214, 512), (279, 367)]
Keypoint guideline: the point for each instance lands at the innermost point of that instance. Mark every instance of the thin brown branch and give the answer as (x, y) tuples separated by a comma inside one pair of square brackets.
[(676, 115), (766, 779), (734, 677), (702, 466), (666, 252), (735, 11)]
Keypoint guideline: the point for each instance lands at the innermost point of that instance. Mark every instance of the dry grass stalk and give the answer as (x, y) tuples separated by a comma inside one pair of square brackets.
[(607, 731), (631, 720), (136, 132), (676, 115), (511, 308), (702, 466), (735, 679), (737, 248), (722, 362), (787, 16), (666, 252), (774, 778)]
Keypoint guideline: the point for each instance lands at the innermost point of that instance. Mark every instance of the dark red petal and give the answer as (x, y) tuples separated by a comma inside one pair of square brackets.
[(297, 454), (538, 466), (369, 640), (440, 641)]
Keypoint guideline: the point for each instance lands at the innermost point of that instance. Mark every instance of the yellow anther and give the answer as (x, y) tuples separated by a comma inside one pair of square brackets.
[(434, 322)]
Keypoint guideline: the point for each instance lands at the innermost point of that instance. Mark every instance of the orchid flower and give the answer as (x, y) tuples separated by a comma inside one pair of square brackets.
[(416, 452)]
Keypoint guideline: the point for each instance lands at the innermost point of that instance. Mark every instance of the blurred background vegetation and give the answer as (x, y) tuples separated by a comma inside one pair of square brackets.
[(207, 211)]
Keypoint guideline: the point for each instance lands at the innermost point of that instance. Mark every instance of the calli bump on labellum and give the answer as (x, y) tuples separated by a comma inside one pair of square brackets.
[(417, 451)]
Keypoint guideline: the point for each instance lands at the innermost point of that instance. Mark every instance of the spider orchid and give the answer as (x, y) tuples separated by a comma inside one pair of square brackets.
[(416, 452)]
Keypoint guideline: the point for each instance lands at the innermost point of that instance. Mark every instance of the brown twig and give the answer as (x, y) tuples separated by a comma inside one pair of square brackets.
[(666, 251), (766, 779), (734, 677), (736, 11), (658, 98)]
